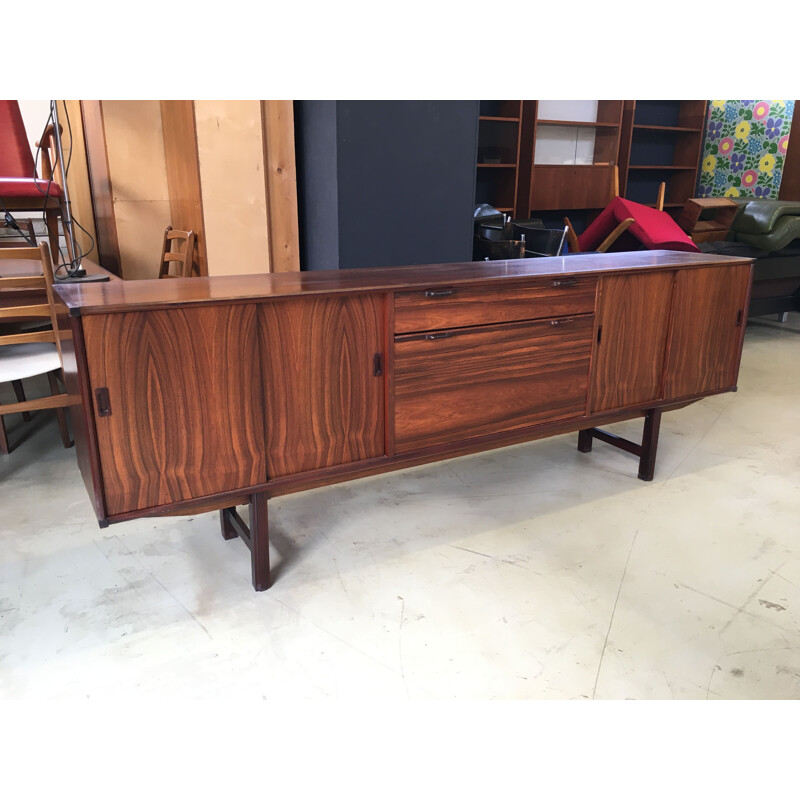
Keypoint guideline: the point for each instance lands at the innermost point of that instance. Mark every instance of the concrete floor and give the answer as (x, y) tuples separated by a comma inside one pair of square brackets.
[(531, 572)]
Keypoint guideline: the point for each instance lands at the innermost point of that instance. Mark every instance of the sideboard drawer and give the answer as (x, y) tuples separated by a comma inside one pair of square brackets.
[(457, 384), (438, 307)]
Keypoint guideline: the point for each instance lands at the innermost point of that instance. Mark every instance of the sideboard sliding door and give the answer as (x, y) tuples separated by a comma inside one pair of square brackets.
[(322, 361), (178, 405)]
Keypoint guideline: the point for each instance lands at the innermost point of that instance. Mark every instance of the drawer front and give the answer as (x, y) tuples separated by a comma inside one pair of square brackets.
[(460, 384), (439, 307)]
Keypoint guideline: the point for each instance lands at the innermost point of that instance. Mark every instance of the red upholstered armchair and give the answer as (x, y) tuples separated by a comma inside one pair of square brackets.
[(645, 227), (20, 189)]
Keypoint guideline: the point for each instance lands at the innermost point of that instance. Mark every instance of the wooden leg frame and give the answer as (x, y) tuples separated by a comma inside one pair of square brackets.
[(646, 451), (256, 537)]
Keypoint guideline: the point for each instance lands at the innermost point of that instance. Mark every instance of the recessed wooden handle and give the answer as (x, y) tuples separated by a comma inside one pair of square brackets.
[(103, 402), (441, 335)]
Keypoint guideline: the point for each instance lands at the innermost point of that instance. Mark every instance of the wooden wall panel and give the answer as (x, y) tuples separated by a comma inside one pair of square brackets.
[(231, 167), (79, 192), (183, 174), (280, 172), (100, 183), (135, 147), (790, 181)]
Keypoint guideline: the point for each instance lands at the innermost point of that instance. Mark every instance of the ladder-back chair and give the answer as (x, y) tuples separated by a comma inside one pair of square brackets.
[(25, 354)]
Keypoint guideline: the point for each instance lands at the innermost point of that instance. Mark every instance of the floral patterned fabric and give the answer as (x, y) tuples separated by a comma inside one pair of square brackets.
[(745, 147)]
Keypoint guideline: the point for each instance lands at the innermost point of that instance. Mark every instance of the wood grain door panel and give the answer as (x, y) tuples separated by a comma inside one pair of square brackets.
[(184, 390), (633, 318), (705, 344), (323, 402), (474, 382)]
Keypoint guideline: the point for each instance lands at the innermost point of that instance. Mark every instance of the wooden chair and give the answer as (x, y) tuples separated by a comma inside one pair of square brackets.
[(27, 354), (572, 237), (183, 258)]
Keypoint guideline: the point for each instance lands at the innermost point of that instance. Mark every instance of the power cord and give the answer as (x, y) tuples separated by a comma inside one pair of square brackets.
[(12, 223), (73, 267)]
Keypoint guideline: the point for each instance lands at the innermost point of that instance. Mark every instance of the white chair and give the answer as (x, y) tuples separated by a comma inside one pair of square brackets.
[(26, 274)]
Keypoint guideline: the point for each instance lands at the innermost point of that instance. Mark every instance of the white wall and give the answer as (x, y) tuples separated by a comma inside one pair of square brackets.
[(35, 114), (565, 145)]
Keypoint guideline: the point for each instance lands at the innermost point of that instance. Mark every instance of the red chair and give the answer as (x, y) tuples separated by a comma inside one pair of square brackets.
[(20, 189), (648, 227)]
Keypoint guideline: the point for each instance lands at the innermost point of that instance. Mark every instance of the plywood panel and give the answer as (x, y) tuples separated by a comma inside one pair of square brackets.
[(231, 158), (79, 193), (281, 175), (106, 244), (183, 175), (137, 169)]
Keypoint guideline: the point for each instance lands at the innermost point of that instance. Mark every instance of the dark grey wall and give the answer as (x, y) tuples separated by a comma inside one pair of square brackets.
[(401, 187), (317, 201)]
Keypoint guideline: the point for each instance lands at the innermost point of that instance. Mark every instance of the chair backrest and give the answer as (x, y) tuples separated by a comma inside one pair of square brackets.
[(183, 258), (16, 159), (13, 240), (34, 271)]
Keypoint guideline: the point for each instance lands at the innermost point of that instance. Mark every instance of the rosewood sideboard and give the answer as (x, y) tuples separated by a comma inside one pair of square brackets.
[(205, 394)]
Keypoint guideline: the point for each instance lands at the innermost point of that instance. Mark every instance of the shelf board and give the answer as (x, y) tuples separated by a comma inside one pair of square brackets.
[(576, 166), (661, 167), (497, 166), (706, 225), (574, 124), (674, 128), (499, 119)]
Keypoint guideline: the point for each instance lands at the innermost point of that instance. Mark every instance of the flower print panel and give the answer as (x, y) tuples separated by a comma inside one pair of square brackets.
[(745, 147)]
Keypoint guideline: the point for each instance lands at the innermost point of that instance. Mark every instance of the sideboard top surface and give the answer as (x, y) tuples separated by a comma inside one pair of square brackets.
[(101, 298)]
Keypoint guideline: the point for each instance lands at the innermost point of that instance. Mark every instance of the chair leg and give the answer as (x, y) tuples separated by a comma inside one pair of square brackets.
[(20, 393), (3, 438), (51, 221), (60, 412)]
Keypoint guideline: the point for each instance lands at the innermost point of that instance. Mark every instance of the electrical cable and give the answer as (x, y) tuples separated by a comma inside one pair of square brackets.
[(12, 223), (72, 267)]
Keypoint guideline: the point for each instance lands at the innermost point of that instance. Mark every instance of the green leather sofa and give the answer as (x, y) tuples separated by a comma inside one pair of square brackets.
[(769, 231)]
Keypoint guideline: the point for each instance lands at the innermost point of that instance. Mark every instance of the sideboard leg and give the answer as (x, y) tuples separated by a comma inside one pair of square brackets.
[(228, 531), (585, 441), (647, 461), (256, 537), (259, 541), (646, 451)]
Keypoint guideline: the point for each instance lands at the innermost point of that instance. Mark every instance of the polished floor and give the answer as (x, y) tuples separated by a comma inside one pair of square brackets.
[(532, 572)]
